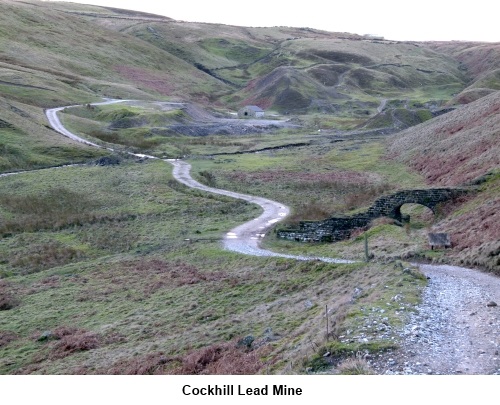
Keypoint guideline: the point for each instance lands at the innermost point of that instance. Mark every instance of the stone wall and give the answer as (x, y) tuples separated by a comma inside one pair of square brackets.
[(339, 228), (390, 206)]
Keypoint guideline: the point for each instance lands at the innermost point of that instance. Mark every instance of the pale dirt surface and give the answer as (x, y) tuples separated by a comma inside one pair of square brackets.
[(456, 328), (246, 238), (453, 330), (59, 127)]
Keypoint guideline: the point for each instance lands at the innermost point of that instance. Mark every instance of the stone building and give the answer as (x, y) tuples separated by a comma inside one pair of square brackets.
[(251, 111)]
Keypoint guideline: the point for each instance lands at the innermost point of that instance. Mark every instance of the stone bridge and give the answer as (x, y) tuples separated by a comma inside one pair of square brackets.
[(339, 228)]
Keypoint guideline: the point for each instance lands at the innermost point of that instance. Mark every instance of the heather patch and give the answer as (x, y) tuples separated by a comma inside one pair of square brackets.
[(6, 337), (141, 278), (8, 297), (72, 340), (150, 79), (303, 179), (456, 147), (225, 358)]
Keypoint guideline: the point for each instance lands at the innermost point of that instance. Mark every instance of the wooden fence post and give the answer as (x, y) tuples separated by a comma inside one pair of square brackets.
[(326, 316), (367, 255)]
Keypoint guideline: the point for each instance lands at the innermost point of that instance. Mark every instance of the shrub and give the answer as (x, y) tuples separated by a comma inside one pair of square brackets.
[(363, 196), (7, 299), (6, 337), (53, 209), (354, 366), (72, 340), (44, 256), (217, 359), (208, 178), (309, 212), (150, 364)]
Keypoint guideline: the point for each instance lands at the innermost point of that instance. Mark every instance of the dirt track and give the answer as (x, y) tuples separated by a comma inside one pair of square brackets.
[(456, 329), (245, 238), (242, 239), (59, 127)]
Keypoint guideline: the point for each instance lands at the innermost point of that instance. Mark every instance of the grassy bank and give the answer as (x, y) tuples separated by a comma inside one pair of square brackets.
[(27, 142), (110, 283), (316, 181)]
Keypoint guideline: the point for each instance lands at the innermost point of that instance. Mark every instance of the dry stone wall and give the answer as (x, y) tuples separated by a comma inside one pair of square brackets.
[(339, 228)]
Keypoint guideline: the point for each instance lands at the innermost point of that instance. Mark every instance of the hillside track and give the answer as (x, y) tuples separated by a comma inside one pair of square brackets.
[(456, 328), (57, 125), (246, 238), (243, 239)]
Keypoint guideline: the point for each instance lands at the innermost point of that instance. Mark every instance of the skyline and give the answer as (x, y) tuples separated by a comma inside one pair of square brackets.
[(427, 21)]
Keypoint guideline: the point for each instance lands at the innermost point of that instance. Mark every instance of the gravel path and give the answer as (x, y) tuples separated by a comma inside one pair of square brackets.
[(246, 238), (456, 329), (57, 125)]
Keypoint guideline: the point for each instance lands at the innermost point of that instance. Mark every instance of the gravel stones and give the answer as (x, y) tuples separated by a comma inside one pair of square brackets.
[(452, 331)]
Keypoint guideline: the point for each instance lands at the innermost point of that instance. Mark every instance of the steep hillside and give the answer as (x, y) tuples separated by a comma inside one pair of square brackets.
[(57, 57), (57, 53), (63, 53), (322, 64), (26, 142), (462, 148), (481, 61), (50, 56), (454, 148), (306, 70)]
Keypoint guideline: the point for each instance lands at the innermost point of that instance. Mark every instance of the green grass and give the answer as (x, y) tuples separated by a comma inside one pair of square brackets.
[(333, 178), (18, 155), (120, 268), (69, 59), (26, 141), (370, 157), (234, 50), (438, 93), (130, 260)]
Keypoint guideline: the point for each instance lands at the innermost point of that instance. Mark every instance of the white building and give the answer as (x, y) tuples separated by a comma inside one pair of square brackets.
[(251, 111)]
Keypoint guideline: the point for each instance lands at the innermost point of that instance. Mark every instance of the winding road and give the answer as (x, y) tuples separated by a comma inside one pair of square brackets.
[(455, 330), (56, 124), (244, 238)]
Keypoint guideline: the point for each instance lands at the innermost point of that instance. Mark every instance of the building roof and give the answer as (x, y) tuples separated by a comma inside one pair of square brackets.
[(254, 108)]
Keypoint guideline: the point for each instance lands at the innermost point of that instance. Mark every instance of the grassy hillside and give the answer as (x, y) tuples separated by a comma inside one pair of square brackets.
[(462, 147), (481, 61), (119, 268), (454, 148), (84, 52), (50, 56), (299, 69), (306, 70), (73, 59), (26, 141)]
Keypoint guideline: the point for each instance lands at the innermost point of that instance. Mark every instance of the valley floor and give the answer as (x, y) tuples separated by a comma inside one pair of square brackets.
[(455, 330)]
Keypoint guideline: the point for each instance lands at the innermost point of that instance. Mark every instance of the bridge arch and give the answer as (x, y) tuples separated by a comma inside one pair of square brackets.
[(390, 206), (415, 212), (339, 228)]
